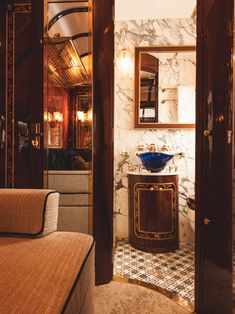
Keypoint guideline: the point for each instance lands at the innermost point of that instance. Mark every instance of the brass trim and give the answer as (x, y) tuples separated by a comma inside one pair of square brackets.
[(12, 10), (158, 190), (22, 4), (157, 236), (22, 7), (174, 296), (9, 151)]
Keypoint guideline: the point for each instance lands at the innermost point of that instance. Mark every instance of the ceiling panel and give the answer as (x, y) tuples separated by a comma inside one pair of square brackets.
[(153, 9)]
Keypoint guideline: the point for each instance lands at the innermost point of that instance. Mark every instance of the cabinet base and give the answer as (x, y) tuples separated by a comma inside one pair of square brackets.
[(155, 247)]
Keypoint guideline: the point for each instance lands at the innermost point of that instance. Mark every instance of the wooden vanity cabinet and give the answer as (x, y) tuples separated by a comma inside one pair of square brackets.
[(153, 212)]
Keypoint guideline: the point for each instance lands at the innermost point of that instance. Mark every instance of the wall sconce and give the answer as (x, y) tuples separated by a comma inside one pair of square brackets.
[(84, 117), (81, 116), (55, 119), (125, 62)]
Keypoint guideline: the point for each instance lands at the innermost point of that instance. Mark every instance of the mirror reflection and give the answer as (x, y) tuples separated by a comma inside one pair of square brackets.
[(68, 112), (165, 86)]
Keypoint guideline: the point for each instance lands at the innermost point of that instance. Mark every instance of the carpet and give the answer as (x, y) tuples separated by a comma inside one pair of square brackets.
[(123, 298)]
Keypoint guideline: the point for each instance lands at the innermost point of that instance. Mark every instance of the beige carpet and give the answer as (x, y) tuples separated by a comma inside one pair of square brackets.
[(126, 298)]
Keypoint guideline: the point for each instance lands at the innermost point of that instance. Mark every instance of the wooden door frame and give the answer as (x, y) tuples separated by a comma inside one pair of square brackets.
[(206, 55), (103, 56), (10, 13), (103, 107)]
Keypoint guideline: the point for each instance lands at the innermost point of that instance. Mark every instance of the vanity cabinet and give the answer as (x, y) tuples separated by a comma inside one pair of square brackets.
[(153, 212)]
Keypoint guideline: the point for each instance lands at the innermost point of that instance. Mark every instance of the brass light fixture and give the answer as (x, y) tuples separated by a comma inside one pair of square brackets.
[(125, 62), (84, 117), (55, 119)]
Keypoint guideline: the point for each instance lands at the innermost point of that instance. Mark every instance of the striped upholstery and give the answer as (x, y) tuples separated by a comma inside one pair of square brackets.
[(28, 212), (52, 274)]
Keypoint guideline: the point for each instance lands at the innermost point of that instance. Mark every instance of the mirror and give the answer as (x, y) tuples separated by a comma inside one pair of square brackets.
[(68, 101), (165, 83)]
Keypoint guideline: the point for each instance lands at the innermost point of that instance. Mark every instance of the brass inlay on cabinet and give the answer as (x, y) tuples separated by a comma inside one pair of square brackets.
[(161, 188)]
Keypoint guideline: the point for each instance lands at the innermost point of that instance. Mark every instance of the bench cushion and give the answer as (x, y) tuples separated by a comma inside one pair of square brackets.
[(52, 274), (28, 212)]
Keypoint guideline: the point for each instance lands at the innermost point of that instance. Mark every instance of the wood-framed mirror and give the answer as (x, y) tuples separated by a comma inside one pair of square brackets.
[(165, 84)]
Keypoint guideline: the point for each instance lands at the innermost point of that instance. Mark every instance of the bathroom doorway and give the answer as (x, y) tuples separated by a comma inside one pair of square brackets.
[(210, 217), (170, 269)]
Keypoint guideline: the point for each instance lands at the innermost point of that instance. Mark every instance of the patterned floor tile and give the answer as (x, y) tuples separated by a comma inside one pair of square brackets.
[(173, 271)]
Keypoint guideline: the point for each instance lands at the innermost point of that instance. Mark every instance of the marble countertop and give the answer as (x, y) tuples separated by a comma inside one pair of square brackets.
[(68, 172), (146, 173)]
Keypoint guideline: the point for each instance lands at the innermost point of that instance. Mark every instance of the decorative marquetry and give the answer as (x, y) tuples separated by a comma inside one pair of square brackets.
[(153, 212)]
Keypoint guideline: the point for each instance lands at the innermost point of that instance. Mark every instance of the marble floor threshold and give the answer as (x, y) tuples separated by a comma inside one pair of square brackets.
[(171, 274)]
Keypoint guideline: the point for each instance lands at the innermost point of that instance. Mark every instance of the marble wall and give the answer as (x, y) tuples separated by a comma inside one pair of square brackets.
[(130, 34), (175, 74)]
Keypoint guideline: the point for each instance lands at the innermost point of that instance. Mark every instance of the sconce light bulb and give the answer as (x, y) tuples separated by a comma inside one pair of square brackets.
[(81, 116), (49, 117), (58, 116), (125, 61), (54, 119)]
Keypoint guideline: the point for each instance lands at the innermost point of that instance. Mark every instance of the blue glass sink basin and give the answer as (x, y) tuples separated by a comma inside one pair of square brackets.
[(154, 161)]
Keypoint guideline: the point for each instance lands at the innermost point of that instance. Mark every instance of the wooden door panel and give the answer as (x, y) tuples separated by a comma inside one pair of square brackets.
[(214, 157), (22, 97), (217, 281), (103, 73), (2, 92), (21, 89)]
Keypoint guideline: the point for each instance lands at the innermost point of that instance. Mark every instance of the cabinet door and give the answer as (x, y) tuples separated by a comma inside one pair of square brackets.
[(155, 212)]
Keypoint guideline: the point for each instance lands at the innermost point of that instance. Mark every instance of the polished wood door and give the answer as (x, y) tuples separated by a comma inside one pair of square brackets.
[(103, 73), (214, 157), (21, 93), (21, 79)]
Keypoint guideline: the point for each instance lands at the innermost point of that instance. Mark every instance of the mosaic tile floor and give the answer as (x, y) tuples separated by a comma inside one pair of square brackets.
[(173, 272)]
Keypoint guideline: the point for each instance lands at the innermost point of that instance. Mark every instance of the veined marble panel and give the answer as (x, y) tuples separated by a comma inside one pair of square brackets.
[(130, 34)]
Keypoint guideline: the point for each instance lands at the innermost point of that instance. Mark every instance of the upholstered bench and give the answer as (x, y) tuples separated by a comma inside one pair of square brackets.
[(41, 270)]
